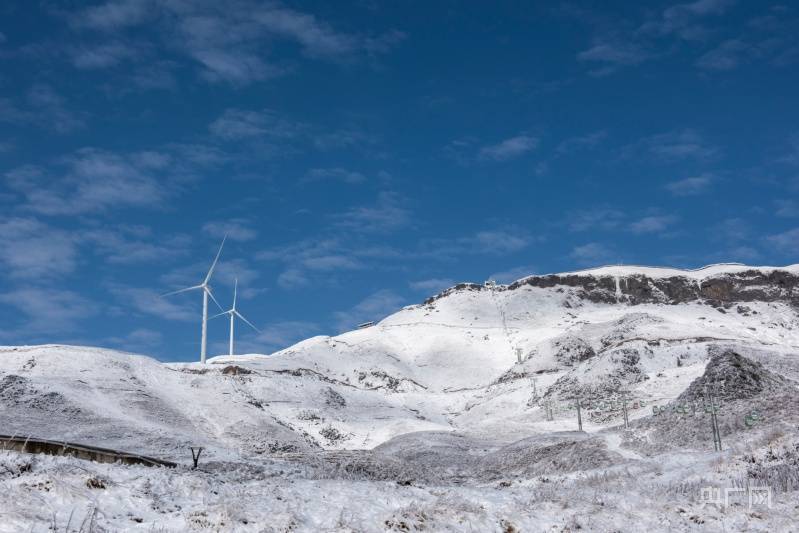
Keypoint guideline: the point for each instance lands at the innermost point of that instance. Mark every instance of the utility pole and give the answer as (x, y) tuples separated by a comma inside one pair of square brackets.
[(712, 408), (715, 418), (624, 399), (579, 416)]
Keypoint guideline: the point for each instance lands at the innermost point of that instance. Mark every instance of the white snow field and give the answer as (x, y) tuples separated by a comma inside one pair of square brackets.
[(458, 414)]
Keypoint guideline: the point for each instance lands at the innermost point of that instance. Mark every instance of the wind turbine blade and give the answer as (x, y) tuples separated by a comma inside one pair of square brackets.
[(208, 290), (246, 321), (182, 290), (235, 290), (213, 265), (220, 314)]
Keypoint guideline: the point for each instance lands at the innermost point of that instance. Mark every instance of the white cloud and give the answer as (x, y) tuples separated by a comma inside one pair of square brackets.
[(727, 56), (46, 110), (613, 55), (495, 241), (49, 310), (315, 259), (787, 208), (683, 19), (511, 275), (509, 148), (292, 278), (592, 253), (140, 340), (236, 229), (331, 262), (786, 242), (690, 186), (334, 174), (498, 241), (230, 270), (604, 218), (232, 42), (386, 215), (92, 180), (276, 336), (673, 145), (584, 142), (30, 249), (433, 285), (237, 124), (124, 246), (653, 224), (733, 230), (176, 307), (114, 15), (372, 308), (101, 56)]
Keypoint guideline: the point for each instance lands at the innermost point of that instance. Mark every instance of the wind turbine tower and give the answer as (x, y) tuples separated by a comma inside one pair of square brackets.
[(206, 288), (233, 312)]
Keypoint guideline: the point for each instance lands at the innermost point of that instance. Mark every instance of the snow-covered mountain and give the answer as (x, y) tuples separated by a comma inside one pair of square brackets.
[(474, 358), (475, 386)]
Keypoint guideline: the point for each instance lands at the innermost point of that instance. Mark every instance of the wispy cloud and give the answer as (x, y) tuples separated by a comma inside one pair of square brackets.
[(499, 241), (613, 56), (672, 146), (691, 186), (45, 109), (786, 242), (311, 259), (278, 335), (372, 308), (92, 180), (236, 229), (134, 245), (231, 43), (387, 214), (334, 174), (653, 224), (592, 254), (605, 218), (147, 301), (30, 249), (683, 19), (510, 148), (141, 340), (102, 55), (432, 285), (787, 208), (114, 15), (237, 124), (48, 310), (511, 275), (581, 142), (726, 56)]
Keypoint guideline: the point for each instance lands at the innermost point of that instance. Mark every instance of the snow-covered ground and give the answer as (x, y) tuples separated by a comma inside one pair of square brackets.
[(435, 418)]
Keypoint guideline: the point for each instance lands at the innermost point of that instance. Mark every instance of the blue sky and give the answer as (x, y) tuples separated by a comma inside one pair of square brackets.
[(362, 156)]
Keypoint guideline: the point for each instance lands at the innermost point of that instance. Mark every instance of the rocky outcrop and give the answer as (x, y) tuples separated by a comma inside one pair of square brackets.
[(749, 286), (719, 291), (731, 376)]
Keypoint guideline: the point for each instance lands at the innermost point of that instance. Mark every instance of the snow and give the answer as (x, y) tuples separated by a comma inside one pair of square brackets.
[(709, 271), (318, 435)]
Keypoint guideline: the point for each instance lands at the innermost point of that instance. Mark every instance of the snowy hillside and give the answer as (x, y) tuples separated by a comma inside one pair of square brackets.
[(475, 385)]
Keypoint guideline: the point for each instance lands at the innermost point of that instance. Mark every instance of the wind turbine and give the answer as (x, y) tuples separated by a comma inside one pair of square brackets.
[(206, 293), (233, 312)]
